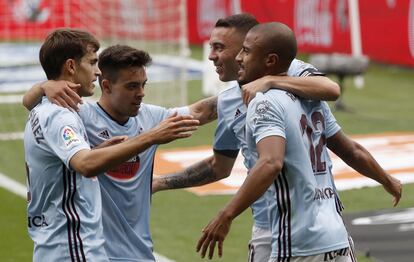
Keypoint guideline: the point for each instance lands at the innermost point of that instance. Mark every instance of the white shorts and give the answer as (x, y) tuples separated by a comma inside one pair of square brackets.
[(340, 255), (260, 245)]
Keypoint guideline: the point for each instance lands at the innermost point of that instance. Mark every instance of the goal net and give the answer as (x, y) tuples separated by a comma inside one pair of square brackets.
[(156, 26)]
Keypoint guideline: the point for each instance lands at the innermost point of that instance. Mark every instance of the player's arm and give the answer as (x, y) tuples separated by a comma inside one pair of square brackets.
[(207, 171), (271, 152), (204, 110), (314, 87), (112, 141), (357, 157), (60, 93), (93, 162)]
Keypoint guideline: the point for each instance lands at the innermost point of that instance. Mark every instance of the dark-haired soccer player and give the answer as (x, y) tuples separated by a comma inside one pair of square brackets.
[(64, 196), (126, 188)]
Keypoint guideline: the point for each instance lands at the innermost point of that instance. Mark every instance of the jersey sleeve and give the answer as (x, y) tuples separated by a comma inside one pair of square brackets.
[(301, 68), (63, 133), (225, 141), (331, 126), (266, 117), (184, 110), (159, 113), (85, 110), (88, 111)]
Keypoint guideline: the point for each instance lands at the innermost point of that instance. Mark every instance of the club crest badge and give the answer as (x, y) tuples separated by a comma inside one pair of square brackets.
[(262, 107)]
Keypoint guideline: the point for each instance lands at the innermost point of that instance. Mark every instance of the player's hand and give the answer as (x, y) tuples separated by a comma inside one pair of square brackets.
[(394, 187), (259, 85), (62, 93), (214, 233), (112, 141), (174, 127)]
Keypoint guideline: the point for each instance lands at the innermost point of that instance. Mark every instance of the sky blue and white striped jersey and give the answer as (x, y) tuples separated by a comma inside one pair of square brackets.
[(64, 208), (126, 189), (230, 132), (304, 216)]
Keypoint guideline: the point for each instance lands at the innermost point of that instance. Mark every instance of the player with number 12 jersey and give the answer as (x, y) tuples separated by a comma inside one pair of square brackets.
[(304, 211)]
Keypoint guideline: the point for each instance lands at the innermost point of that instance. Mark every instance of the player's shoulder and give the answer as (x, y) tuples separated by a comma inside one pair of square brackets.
[(231, 90), (88, 105), (229, 96), (274, 98), (260, 100), (47, 110), (301, 68), (325, 106), (90, 111), (51, 116), (280, 96), (150, 108), (151, 114)]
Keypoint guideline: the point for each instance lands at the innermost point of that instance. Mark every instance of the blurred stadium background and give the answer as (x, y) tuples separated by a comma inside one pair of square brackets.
[(174, 31)]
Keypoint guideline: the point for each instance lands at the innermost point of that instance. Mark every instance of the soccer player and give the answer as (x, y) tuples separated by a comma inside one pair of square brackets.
[(64, 197), (226, 41), (287, 139), (126, 189)]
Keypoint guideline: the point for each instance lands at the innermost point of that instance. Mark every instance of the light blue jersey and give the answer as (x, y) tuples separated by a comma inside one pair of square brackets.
[(230, 135), (126, 189), (64, 207), (304, 210)]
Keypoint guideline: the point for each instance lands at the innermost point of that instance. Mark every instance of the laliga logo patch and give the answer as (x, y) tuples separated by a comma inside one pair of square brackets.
[(69, 137)]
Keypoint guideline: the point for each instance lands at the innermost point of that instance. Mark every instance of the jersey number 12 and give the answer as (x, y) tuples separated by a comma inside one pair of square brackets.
[(315, 151)]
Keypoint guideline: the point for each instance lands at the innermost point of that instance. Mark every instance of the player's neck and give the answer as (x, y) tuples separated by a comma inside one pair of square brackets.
[(108, 109), (70, 78)]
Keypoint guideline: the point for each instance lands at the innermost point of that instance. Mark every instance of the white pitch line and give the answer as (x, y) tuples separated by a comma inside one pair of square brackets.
[(160, 258), (13, 186), (11, 136), (21, 190), (11, 99)]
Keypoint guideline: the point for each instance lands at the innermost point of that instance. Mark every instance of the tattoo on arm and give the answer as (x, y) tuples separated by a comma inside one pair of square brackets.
[(211, 106), (198, 174)]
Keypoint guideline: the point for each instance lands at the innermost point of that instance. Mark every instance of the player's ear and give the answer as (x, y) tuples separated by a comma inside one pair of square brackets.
[(106, 86), (70, 66), (272, 60)]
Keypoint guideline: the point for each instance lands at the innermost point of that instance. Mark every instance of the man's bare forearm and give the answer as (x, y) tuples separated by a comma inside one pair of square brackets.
[(205, 110), (33, 96), (357, 157), (198, 174), (314, 87)]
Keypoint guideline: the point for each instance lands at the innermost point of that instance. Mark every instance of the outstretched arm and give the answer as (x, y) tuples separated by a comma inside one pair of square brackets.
[(204, 110), (204, 172), (94, 162), (271, 152), (311, 87), (111, 141), (357, 157), (60, 93)]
